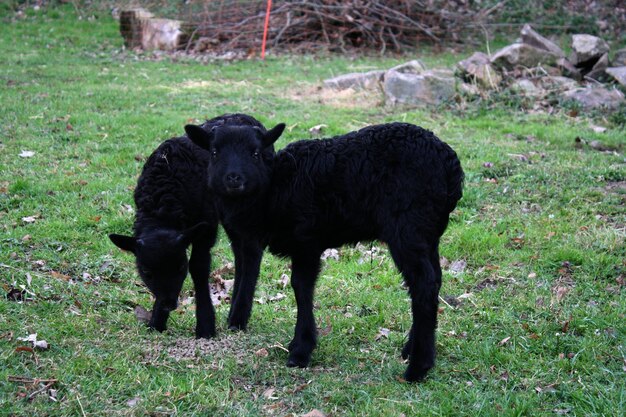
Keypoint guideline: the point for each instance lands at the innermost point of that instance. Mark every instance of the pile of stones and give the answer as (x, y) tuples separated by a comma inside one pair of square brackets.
[(533, 67)]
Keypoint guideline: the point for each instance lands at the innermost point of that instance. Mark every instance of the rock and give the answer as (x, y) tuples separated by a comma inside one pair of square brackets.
[(618, 74), (598, 70), (557, 83), (523, 55), (532, 38), (619, 59), (428, 88), (478, 70), (356, 80), (204, 44), (568, 69), (526, 87), (469, 89), (595, 97), (411, 67), (139, 28), (587, 49)]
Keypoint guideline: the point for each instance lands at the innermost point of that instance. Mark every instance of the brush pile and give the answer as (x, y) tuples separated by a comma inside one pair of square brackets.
[(306, 25)]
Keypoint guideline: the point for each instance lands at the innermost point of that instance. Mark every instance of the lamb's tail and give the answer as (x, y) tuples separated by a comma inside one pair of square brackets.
[(455, 177)]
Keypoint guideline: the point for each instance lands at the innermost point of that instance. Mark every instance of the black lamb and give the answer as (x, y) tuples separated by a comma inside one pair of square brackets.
[(174, 209), (395, 182)]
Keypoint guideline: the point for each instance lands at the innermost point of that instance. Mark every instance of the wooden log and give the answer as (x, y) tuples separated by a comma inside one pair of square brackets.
[(140, 29)]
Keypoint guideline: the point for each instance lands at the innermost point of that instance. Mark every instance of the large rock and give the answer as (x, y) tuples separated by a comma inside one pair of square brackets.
[(595, 97), (356, 81), (619, 58), (428, 88), (532, 38), (478, 70), (521, 54), (587, 49), (618, 74), (411, 67)]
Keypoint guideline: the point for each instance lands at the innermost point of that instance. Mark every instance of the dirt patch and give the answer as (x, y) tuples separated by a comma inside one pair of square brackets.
[(348, 98), (192, 349), (616, 187)]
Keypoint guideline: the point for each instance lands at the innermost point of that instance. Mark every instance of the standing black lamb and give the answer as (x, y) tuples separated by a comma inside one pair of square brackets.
[(395, 182), (174, 210)]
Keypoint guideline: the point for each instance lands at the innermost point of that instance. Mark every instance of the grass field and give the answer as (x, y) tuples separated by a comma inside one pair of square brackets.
[(532, 317)]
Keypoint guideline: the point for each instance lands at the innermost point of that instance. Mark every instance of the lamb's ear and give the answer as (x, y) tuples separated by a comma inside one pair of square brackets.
[(272, 135), (127, 243), (187, 236), (199, 136)]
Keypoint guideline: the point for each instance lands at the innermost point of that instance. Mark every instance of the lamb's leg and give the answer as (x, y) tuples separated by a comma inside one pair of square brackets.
[(238, 268), (434, 261), (158, 319), (249, 256), (303, 276), (423, 282), (199, 267)]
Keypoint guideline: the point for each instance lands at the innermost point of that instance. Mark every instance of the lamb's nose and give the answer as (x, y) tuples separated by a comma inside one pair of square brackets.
[(233, 180)]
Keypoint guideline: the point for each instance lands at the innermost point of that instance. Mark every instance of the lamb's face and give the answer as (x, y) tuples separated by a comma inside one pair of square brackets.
[(241, 157), (239, 164), (162, 265), (161, 257)]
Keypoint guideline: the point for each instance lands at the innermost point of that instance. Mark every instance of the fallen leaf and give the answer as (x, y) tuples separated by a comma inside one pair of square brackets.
[(277, 297), (30, 219), (382, 332), (261, 353), (269, 393), (59, 275), (561, 292), (24, 349), (317, 129), (326, 330), (314, 413), (532, 275), (284, 281), (41, 345), (142, 314), (133, 401), (504, 341), (519, 157), (457, 267), (26, 154), (330, 253)]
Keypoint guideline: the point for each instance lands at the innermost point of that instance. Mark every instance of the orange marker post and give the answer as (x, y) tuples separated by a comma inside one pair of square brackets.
[(267, 23)]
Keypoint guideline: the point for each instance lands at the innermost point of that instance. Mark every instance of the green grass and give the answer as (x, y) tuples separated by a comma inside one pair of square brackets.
[(539, 331)]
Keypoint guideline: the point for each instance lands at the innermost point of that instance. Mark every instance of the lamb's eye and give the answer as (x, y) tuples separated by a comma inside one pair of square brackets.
[(256, 154), (213, 153)]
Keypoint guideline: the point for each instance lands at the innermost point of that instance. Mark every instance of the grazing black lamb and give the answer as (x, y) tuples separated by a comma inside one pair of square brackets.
[(175, 209), (396, 183)]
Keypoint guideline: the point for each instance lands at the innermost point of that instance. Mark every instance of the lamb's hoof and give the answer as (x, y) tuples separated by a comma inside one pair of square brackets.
[(233, 328), (205, 334), (158, 328), (415, 375), (296, 363), (298, 360)]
